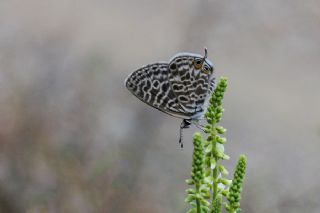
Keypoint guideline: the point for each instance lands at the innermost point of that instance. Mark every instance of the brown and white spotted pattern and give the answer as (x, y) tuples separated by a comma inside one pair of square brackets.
[(179, 88)]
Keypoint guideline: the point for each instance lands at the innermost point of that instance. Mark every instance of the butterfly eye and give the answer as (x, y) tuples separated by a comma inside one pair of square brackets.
[(198, 63), (206, 69)]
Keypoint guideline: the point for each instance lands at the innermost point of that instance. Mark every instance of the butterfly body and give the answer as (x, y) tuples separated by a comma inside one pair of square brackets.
[(180, 87)]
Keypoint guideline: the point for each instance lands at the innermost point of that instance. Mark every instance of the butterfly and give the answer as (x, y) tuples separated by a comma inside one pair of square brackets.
[(180, 87)]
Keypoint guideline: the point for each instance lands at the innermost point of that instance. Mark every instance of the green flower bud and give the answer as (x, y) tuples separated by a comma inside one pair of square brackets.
[(191, 191), (193, 210), (216, 205), (235, 188), (225, 193), (213, 164), (197, 197), (220, 139), (190, 198), (223, 170), (220, 129), (189, 182), (220, 147), (205, 209), (225, 182), (208, 148)]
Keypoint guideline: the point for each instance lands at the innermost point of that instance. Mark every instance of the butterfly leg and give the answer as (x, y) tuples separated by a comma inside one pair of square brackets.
[(198, 125), (184, 124)]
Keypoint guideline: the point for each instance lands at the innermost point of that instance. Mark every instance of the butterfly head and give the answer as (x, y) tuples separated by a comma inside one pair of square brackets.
[(196, 64)]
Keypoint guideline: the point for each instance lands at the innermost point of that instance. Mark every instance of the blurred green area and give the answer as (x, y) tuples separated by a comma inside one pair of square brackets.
[(72, 139)]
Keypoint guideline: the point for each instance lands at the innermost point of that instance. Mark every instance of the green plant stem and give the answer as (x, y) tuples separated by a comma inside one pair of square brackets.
[(197, 199), (215, 170), (215, 184)]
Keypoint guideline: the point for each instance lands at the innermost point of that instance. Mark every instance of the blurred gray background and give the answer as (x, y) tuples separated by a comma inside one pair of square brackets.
[(73, 139)]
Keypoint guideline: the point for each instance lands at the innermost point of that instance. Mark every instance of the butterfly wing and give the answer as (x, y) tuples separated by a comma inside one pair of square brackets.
[(192, 87), (151, 85)]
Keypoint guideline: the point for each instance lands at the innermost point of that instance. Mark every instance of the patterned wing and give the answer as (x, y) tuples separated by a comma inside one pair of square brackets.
[(191, 80), (151, 85)]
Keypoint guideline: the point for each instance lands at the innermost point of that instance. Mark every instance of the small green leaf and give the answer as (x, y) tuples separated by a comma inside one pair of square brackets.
[(191, 191), (213, 164), (225, 193), (190, 198), (204, 188), (207, 172), (221, 140), (221, 187), (220, 129), (189, 182), (208, 180), (205, 209), (223, 170), (227, 206), (223, 156), (225, 182), (220, 147), (193, 204), (208, 148), (204, 202), (193, 210), (206, 195)]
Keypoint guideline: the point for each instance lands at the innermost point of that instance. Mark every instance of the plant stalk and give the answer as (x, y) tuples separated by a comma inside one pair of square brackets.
[(197, 199), (215, 170)]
